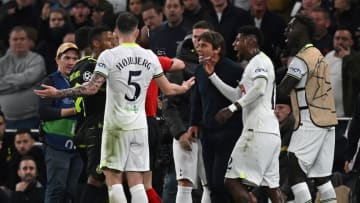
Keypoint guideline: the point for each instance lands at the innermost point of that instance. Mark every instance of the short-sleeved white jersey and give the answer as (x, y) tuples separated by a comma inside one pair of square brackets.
[(128, 69), (259, 115)]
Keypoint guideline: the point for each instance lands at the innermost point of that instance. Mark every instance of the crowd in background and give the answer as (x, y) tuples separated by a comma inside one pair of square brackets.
[(32, 30)]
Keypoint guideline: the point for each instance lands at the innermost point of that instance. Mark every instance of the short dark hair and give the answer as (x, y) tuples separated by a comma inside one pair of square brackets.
[(96, 32), (323, 11), (151, 5), (215, 39), (28, 158), (24, 131), (126, 22), (82, 37), (19, 29), (180, 1), (203, 24), (248, 30), (308, 22), (2, 114)]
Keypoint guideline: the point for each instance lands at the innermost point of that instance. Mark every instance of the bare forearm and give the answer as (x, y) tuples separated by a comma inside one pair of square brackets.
[(68, 112), (89, 88), (174, 89)]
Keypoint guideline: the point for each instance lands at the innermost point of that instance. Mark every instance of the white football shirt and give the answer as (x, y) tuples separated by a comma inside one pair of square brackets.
[(128, 69), (259, 115)]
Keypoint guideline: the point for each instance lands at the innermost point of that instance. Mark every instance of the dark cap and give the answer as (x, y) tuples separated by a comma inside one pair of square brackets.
[(283, 100), (64, 47), (76, 2)]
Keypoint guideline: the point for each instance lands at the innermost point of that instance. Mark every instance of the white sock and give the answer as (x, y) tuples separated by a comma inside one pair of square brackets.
[(301, 193), (116, 194), (327, 193), (138, 194), (183, 194), (205, 198)]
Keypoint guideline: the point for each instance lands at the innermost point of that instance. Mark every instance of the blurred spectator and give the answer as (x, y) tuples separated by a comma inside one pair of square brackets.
[(102, 13), (343, 72), (322, 39), (20, 71), (152, 16), (345, 81), (346, 15), (352, 157), (118, 5), (305, 7), (63, 161), (165, 39), (82, 41), (286, 120), (66, 5), (193, 12), (227, 19), (52, 31), (272, 26), (29, 189), (3, 151), (243, 4), (69, 37), (24, 13), (80, 14), (135, 7), (25, 146)]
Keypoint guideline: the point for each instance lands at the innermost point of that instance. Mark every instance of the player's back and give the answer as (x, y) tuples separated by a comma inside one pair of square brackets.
[(129, 69)]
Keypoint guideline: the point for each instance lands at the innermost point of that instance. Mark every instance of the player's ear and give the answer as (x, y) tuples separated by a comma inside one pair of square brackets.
[(95, 43), (136, 33)]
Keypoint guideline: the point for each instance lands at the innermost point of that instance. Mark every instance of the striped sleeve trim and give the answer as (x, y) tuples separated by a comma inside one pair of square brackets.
[(159, 75)]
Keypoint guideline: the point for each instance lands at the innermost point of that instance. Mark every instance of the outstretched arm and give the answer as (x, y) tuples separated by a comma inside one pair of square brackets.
[(171, 88), (89, 88), (229, 92)]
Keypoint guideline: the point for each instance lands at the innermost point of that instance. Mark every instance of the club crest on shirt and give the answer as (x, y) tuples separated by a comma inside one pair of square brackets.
[(87, 76), (294, 70), (101, 65), (259, 70)]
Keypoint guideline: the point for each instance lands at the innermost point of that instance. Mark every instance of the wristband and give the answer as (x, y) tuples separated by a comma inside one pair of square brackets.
[(232, 108), (238, 106)]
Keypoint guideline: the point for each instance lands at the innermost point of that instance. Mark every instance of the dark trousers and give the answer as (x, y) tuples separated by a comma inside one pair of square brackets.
[(217, 148)]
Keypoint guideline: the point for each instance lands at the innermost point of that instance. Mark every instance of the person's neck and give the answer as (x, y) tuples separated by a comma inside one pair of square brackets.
[(258, 14), (175, 23), (252, 52), (126, 39), (20, 54), (302, 43), (96, 53), (221, 8), (216, 59), (64, 3), (320, 35), (195, 10)]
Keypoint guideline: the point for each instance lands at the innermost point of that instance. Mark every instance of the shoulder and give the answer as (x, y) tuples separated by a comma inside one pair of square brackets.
[(49, 80), (229, 63), (35, 56)]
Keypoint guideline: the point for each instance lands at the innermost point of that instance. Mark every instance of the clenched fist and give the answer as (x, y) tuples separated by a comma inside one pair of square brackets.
[(223, 115)]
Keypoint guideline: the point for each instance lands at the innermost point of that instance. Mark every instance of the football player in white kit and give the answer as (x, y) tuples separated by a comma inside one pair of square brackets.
[(311, 148), (253, 161), (127, 70)]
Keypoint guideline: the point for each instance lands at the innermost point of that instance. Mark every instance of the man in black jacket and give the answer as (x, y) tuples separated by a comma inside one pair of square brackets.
[(29, 189), (353, 140), (177, 116)]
